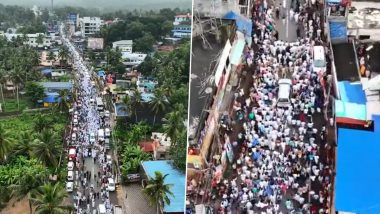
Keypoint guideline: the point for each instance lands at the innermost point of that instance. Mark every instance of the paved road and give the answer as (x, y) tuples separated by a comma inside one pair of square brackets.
[(286, 27), (89, 121)]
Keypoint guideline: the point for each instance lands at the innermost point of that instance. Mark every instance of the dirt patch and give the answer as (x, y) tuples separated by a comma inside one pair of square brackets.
[(19, 207)]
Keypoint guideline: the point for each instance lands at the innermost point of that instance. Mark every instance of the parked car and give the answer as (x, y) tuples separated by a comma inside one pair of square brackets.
[(70, 186), (111, 186)]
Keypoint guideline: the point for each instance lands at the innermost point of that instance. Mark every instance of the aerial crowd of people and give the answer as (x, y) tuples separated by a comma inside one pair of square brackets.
[(92, 180), (278, 160)]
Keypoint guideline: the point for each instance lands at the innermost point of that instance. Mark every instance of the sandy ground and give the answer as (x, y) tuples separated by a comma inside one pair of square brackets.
[(19, 207)]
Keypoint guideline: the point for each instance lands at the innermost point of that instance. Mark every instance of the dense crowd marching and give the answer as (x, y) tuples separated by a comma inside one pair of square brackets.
[(91, 187), (278, 167)]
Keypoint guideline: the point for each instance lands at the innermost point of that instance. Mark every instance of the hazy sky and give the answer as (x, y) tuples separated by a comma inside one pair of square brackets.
[(106, 4)]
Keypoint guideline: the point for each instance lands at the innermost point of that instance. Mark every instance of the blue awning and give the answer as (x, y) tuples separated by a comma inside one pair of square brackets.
[(51, 98), (243, 24)]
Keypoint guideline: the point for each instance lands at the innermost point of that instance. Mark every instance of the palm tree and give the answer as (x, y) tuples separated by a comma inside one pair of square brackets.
[(24, 38), (3, 80), (136, 101), (51, 57), (158, 103), (48, 199), (63, 55), (63, 101), (131, 103), (23, 145), (41, 122), (5, 143), (46, 148), (157, 191), (26, 186), (40, 39), (17, 78), (174, 122)]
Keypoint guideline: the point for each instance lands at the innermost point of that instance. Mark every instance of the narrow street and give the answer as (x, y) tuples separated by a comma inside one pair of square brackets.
[(94, 188)]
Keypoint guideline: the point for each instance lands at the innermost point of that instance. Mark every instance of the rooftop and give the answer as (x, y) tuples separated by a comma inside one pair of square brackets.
[(358, 171), (123, 42), (175, 177), (57, 85)]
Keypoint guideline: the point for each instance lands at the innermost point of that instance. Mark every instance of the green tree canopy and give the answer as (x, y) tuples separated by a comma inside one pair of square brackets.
[(34, 91)]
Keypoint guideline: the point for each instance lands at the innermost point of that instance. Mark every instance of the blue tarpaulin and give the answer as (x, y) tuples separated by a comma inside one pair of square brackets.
[(338, 30), (51, 98), (358, 174), (243, 24)]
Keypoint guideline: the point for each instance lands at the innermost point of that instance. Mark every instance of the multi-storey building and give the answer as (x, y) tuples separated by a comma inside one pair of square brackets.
[(182, 26), (90, 25)]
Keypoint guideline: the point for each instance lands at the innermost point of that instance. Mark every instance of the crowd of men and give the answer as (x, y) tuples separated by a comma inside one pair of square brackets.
[(90, 183), (279, 166)]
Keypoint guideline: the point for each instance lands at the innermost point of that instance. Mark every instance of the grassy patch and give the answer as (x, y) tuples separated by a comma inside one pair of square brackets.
[(25, 122), (11, 105)]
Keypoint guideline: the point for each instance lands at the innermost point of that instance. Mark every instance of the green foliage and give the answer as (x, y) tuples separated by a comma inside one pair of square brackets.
[(144, 44), (133, 133), (19, 177), (157, 191), (12, 15), (131, 158), (49, 198), (140, 27), (34, 91)]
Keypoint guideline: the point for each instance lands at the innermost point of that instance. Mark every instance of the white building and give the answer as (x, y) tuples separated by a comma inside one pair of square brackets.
[(32, 39), (90, 25), (125, 46), (133, 59)]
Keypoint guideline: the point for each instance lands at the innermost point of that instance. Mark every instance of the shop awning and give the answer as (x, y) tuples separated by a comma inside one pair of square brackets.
[(237, 52), (350, 110), (243, 24)]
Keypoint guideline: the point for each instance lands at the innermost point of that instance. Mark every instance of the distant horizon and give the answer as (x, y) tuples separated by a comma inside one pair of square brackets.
[(105, 5)]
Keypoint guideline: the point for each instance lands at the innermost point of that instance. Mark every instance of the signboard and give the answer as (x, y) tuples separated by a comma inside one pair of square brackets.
[(95, 43)]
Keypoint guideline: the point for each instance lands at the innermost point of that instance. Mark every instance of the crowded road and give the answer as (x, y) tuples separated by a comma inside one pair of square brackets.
[(277, 160), (91, 177)]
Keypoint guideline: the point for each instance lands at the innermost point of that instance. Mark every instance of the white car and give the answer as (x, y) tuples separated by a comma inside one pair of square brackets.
[(75, 121), (69, 186), (107, 113), (107, 132), (111, 186), (70, 165), (70, 176), (109, 159), (92, 137)]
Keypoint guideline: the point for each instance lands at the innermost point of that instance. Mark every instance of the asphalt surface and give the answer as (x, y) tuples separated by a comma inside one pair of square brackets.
[(89, 122)]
